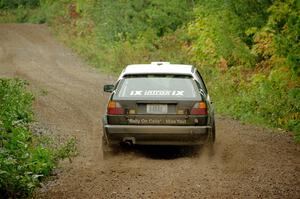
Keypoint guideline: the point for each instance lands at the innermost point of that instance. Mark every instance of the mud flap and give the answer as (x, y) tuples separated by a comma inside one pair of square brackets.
[(211, 139), (106, 149), (109, 150)]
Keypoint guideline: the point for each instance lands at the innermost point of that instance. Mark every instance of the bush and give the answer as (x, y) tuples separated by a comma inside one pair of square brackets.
[(219, 31), (250, 58), (15, 104), (25, 159), (12, 4), (139, 16), (267, 99)]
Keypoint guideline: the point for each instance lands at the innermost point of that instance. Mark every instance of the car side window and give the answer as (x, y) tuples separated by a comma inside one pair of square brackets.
[(201, 81)]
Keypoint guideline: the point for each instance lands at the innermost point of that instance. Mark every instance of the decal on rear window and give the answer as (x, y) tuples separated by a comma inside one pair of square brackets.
[(156, 93), (157, 87)]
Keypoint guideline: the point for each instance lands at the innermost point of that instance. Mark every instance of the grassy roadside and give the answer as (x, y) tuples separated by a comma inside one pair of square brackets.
[(26, 158)]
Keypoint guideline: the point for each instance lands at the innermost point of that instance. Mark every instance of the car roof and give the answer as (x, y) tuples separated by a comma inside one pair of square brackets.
[(158, 68)]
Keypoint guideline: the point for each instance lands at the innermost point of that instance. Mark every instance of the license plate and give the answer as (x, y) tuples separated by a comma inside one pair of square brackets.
[(157, 108)]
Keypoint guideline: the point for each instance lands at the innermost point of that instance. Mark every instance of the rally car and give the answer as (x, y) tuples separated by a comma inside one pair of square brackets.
[(158, 104)]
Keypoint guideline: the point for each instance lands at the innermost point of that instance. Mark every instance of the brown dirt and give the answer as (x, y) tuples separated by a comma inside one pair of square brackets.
[(249, 162)]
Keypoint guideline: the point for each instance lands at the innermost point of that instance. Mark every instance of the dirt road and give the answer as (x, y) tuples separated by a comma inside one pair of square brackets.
[(250, 162)]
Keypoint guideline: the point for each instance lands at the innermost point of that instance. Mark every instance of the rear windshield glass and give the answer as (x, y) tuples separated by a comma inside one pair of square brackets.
[(157, 88)]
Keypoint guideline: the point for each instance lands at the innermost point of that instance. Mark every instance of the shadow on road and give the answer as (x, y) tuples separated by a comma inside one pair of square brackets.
[(164, 152)]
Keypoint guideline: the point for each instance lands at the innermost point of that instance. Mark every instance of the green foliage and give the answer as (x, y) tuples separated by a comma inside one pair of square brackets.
[(220, 31), (67, 150), (109, 40), (15, 104), (49, 10), (12, 4), (285, 23), (271, 100), (25, 159), (21, 14), (128, 19), (252, 50), (7, 16)]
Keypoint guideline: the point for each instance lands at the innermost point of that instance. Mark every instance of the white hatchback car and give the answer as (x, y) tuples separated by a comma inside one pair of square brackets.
[(158, 104)]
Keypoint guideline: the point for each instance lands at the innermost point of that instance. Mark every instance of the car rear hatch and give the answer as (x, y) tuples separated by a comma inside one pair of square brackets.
[(158, 100)]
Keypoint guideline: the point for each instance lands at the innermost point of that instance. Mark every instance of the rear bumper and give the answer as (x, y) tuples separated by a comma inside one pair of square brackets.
[(156, 135)]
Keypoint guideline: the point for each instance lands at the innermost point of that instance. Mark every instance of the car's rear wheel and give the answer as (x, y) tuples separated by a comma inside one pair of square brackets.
[(211, 139), (107, 150), (213, 132)]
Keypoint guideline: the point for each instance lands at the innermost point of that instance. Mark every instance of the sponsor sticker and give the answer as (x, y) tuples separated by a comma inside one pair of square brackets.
[(156, 93), (157, 121)]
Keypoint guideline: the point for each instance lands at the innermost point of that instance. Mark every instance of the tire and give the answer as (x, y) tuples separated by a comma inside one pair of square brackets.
[(107, 150), (212, 139), (213, 132)]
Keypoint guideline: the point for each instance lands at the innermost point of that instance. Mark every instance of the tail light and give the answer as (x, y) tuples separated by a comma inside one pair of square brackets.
[(114, 108), (199, 108)]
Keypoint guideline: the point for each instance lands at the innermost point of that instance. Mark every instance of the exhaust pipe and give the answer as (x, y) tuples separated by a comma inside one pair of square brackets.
[(128, 141)]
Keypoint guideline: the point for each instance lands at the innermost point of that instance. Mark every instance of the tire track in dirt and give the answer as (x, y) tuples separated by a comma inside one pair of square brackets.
[(249, 162)]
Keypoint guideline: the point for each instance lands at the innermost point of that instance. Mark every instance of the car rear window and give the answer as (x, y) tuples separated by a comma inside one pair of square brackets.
[(156, 87)]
